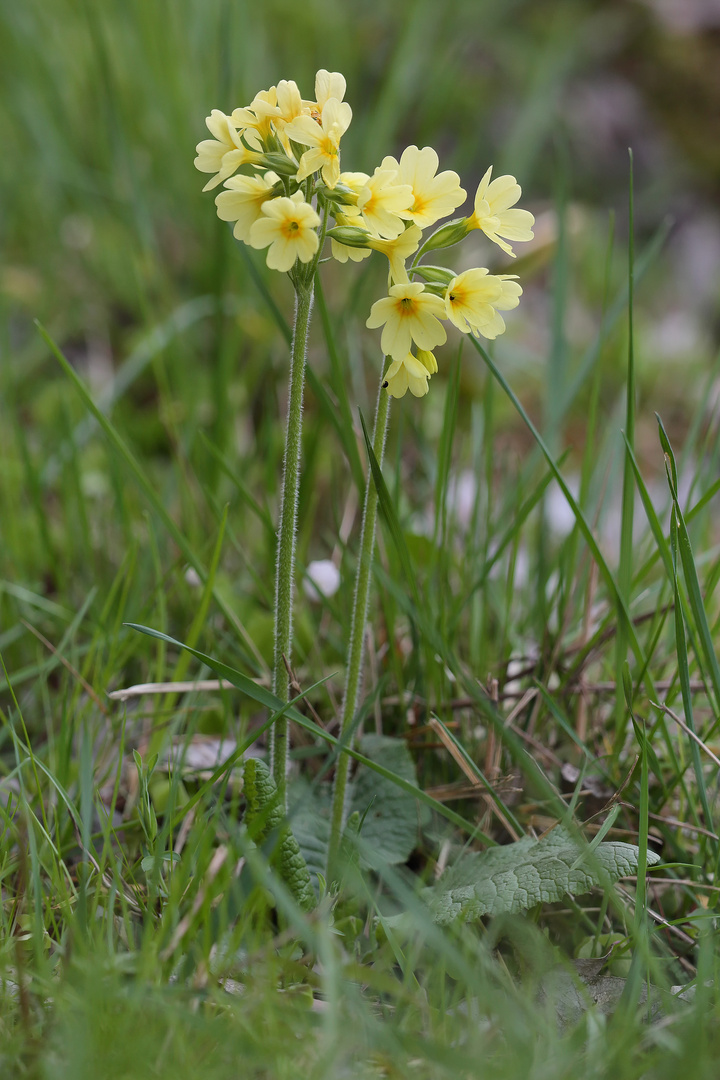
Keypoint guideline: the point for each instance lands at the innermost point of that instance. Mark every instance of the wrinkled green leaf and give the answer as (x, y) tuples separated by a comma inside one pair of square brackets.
[(389, 831), (517, 876), (264, 810), (309, 808)]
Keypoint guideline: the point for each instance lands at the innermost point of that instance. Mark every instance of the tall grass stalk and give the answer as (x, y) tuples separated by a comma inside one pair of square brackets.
[(361, 601), (625, 567)]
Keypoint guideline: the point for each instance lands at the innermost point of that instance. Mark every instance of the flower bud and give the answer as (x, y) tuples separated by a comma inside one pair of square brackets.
[(427, 359), (350, 235), (438, 275), (280, 163), (447, 235), (340, 194)]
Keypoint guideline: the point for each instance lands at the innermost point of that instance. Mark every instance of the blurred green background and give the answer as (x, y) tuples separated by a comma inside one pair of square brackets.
[(103, 224), (106, 238)]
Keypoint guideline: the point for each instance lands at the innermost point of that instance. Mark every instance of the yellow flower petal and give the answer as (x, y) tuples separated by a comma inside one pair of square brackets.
[(407, 373), (472, 300), (242, 201), (434, 196), (323, 138), (287, 228), (381, 200), (492, 213), (408, 314)]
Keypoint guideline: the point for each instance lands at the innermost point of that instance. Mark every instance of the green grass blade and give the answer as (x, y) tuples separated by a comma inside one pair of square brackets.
[(340, 416), (387, 511), (692, 582), (131, 462), (477, 771), (653, 520), (625, 568), (684, 677), (343, 428), (278, 708), (579, 516)]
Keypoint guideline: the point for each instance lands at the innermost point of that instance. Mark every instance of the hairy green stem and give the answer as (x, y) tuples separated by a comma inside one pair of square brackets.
[(287, 528), (356, 647)]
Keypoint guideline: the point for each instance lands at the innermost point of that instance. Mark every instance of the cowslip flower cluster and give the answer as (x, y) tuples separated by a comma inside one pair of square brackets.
[(293, 196)]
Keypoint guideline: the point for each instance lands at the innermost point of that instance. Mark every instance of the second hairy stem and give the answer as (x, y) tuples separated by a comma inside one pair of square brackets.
[(287, 528), (363, 579)]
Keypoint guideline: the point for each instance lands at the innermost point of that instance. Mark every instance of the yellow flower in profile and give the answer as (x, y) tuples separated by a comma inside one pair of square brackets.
[(472, 301), (511, 292), (323, 138), (243, 201), (359, 245), (408, 314), (255, 121), (381, 199), (410, 373), (356, 181), (398, 250), (493, 215), (434, 196), (328, 84), (225, 153), (288, 227), (289, 103)]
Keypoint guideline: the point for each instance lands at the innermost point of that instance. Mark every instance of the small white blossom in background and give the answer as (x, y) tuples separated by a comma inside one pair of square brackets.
[(461, 497), (323, 579), (192, 578)]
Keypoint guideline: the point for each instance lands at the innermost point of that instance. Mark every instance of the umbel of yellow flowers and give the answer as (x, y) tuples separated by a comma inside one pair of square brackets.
[(278, 160)]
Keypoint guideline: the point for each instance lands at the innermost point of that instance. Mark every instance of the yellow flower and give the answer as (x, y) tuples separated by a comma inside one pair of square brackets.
[(328, 84), (398, 250), (288, 227), (289, 102), (255, 120), (511, 292), (410, 373), (381, 200), (408, 314), (225, 153), (434, 196), (356, 181), (492, 213), (243, 201), (323, 138), (472, 300)]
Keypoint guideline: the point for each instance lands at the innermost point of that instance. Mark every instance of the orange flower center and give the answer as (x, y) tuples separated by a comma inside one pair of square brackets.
[(290, 229)]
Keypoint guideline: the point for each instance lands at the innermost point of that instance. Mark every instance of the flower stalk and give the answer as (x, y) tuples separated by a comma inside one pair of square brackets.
[(287, 527), (356, 648), (295, 199)]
